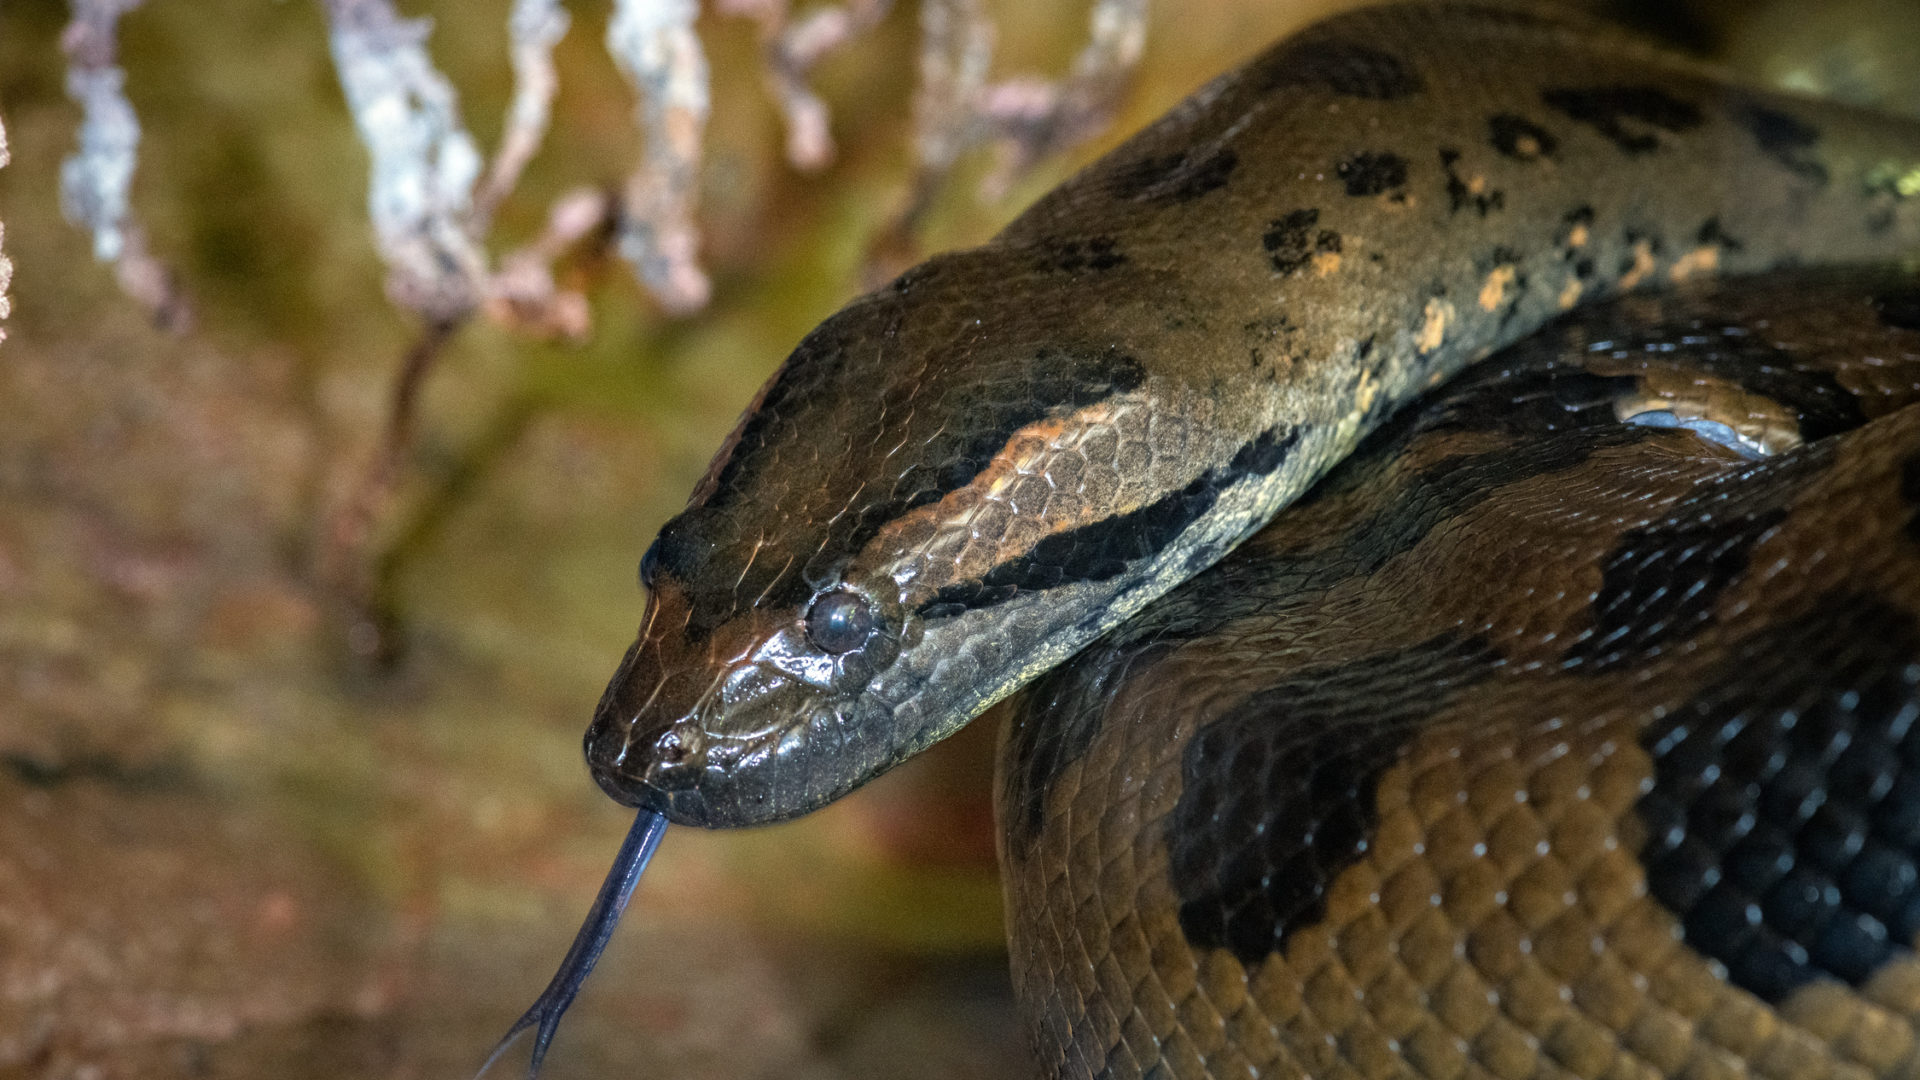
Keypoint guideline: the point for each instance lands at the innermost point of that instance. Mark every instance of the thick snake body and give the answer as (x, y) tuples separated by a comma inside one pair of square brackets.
[(1443, 774), (1532, 743)]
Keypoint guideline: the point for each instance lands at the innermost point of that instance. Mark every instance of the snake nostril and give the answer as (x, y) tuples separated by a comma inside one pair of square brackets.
[(671, 750)]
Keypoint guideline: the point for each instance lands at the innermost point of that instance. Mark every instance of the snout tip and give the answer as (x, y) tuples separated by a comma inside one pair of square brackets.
[(643, 766)]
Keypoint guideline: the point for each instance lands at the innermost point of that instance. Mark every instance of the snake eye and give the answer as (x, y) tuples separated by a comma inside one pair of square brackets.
[(839, 621)]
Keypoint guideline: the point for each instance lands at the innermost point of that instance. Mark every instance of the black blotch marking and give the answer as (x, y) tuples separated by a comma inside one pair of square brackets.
[(1824, 407), (1555, 420), (1347, 68), (1712, 234), (1096, 253), (1105, 549), (1291, 242), (1556, 416), (1566, 416), (1784, 820), (1583, 268), (1372, 172), (1175, 178), (1520, 138), (1607, 109), (1661, 583), (1785, 138), (1899, 310), (1278, 795), (1551, 415), (1460, 195), (1580, 217)]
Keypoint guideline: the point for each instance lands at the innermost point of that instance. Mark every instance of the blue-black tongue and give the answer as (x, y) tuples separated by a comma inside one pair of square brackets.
[(545, 1013)]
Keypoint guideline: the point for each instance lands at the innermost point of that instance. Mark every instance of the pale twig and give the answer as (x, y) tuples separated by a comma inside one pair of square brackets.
[(6, 264), (956, 109), (956, 48), (793, 46), (534, 27), (653, 43), (424, 164), (429, 225), (522, 294), (1032, 118), (419, 194), (96, 180), (431, 209)]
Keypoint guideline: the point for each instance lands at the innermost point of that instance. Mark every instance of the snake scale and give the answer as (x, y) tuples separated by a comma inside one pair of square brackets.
[(1562, 731)]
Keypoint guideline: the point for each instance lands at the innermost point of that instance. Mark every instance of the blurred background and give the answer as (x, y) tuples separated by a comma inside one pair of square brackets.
[(309, 578)]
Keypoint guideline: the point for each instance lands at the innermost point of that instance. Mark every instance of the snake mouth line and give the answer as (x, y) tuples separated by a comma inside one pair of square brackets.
[(694, 775)]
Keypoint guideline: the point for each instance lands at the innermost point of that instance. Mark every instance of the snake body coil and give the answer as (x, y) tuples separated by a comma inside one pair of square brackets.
[(1507, 754), (1532, 743)]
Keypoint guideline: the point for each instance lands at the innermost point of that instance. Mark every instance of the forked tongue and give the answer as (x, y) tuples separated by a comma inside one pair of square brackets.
[(588, 944)]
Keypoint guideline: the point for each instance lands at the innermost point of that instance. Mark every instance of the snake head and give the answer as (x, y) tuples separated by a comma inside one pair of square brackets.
[(947, 488), (765, 716), (759, 686)]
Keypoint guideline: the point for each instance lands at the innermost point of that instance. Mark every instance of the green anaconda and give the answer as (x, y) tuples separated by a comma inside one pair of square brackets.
[(1562, 731)]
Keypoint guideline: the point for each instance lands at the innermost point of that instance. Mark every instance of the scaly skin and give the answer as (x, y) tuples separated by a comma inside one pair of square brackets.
[(1013, 448), (1531, 743)]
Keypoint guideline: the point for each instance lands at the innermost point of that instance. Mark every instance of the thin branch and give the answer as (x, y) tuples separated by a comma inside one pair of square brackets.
[(653, 43), (96, 180), (1028, 118), (431, 209), (1032, 118), (523, 295), (793, 46), (956, 49), (534, 27), (6, 264), (343, 561), (430, 224), (424, 164)]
